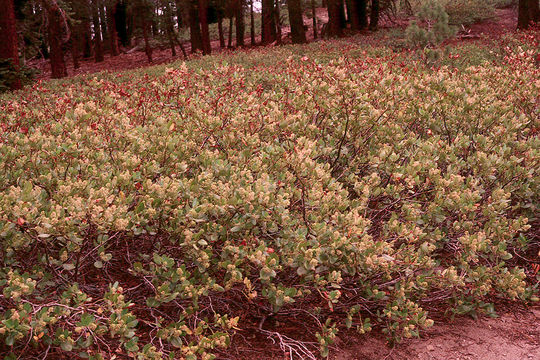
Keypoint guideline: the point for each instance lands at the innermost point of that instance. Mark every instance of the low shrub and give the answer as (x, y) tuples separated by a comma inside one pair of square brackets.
[(153, 216)]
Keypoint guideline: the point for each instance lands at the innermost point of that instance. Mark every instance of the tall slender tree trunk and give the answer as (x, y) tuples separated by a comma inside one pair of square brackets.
[(194, 28), (146, 28), (205, 33), (268, 22), (342, 14), (374, 19), (298, 33), (220, 30), (179, 14), (334, 26), (103, 21), (229, 44), (55, 29), (113, 34), (9, 44), (75, 51), (357, 10), (252, 23), (278, 22), (528, 13), (121, 22), (314, 14), (86, 39), (240, 26), (170, 30), (98, 49)]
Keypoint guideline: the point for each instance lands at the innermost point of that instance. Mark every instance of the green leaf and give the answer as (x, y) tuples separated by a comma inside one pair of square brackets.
[(176, 341), (10, 340), (66, 346), (86, 319), (68, 267), (152, 302)]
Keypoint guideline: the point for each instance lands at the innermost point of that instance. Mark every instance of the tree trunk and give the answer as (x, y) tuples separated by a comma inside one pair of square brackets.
[(9, 44), (357, 11), (229, 44), (103, 22), (170, 32), (113, 34), (98, 49), (220, 30), (194, 28), (342, 14), (146, 28), (278, 22), (86, 39), (314, 14), (120, 19), (268, 22), (528, 13), (298, 33), (334, 26), (205, 33), (252, 23), (374, 20), (179, 14), (75, 51), (240, 26), (56, 22)]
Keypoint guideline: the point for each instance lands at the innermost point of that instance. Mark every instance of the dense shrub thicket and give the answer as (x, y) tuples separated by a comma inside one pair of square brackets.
[(156, 215)]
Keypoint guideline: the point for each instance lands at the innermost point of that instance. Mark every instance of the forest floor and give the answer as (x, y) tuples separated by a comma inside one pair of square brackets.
[(503, 21), (514, 335)]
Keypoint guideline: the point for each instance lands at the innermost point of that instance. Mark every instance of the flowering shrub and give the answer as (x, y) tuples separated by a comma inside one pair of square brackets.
[(156, 216)]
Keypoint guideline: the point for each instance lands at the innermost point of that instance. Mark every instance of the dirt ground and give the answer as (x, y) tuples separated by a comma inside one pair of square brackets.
[(513, 336)]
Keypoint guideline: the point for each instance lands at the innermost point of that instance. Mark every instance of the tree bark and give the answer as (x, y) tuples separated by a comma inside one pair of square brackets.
[(120, 19), (98, 49), (528, 13), (314, 14), (75, 51), (252, 23), (342, 14), (357, 10), (205, 33), (113, 34), (146, 28), (268, 22), (220, 30), (298, 33), (278, 22), (179, 14), (56, 22), (9, 44), (334, 26), (240, 26), (103, 21), (374, 20), (229, 44), (194, 28)]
